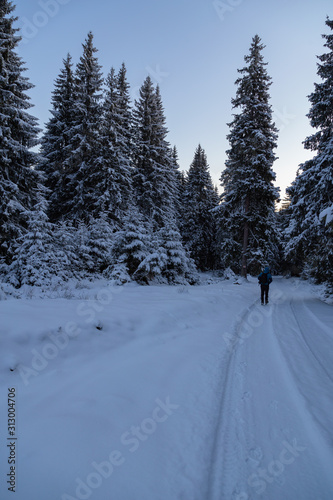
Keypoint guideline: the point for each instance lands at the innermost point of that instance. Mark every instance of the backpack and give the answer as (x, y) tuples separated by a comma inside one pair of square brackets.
[(263, 279)]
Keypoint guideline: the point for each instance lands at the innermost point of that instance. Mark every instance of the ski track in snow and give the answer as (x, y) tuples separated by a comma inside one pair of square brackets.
[(251, 387), (276, 410)]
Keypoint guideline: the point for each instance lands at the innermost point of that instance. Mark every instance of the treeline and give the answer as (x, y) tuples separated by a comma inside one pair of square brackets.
[(105, 195)]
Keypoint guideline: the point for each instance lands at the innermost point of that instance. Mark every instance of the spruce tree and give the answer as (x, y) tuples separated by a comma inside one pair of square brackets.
[(123, 115), (113, 181), (312, 191), (156, 187), (198, 229), (247, 219), (84, 144), (131, 246), (178, 267), (55, 144), (326, 217), (94, 244), (36, 261), (66, 241), (154, 174), (18, 180), (283, 220), (180, 191)]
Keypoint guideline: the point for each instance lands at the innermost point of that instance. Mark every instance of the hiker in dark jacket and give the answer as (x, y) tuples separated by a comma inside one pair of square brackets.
[(264, 280)]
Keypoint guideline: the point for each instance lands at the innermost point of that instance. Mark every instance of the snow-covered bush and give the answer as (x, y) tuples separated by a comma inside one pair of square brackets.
[(118, 273), (35, 261), (129, 248), (179, 268)]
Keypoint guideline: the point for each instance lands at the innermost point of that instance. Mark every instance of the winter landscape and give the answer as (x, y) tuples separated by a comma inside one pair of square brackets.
[(137, 360)]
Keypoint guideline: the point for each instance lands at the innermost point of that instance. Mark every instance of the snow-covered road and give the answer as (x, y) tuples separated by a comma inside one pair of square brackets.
[(160, 393), (275, 433)]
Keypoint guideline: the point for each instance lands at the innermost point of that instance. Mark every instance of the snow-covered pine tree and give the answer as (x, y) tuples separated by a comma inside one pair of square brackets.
[(123, 116), (55, 147), (153, 266), (35, 261), (247, 219), (198, 228), (131, 246), (113, 180), (92, 245), (326, 218), (155, 180), (85, 138), (178, 268), (312, 190), (18, 181), (180, 177), (66, 243), (283, 219), (154, 177)]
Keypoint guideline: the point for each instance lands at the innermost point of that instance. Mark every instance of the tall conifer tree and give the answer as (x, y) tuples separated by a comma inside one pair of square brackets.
[(310, 247), (113, 182), (154, 175), (180, 191), (199, 231), (55, 142), (84, 141), (156, 191), (18, 181), (247, 219), (123, 116)]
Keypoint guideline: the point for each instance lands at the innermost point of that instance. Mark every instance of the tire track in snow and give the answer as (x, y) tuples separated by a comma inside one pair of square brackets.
[(321, 325), (230, 432), (291, 379), (300, 330)]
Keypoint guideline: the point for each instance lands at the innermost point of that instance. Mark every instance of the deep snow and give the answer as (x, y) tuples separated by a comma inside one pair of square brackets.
[(169, 393)]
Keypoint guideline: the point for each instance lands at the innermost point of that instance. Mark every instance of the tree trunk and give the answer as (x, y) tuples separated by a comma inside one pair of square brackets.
[(245, 239)]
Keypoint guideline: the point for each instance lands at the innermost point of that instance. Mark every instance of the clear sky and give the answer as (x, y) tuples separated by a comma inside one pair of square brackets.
[(192, 49)]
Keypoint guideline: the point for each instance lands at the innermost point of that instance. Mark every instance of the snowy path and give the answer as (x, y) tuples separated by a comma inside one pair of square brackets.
[(275, 436), (170, 393)]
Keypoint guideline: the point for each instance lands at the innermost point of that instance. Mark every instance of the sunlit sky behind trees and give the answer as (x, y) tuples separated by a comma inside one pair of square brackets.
[(192, 49)]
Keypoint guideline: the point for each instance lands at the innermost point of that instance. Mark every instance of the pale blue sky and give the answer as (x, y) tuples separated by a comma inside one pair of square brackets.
[(193, 49)]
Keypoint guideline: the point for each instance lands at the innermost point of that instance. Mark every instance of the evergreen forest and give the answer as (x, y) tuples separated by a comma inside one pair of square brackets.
[(99, 191)]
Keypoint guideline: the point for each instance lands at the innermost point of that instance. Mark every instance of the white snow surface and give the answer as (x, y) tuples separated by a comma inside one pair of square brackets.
[(169, 393)]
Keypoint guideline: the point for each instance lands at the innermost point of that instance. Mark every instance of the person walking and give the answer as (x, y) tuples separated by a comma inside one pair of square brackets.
[(264, 280)]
